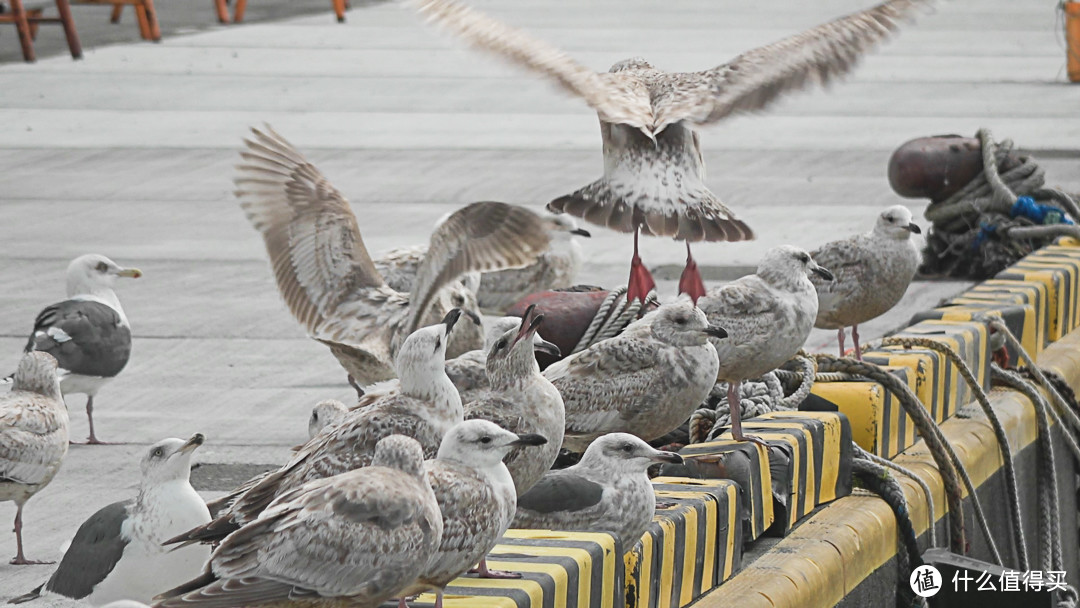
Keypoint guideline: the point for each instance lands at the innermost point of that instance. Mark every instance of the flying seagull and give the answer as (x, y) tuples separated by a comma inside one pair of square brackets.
[(33, 436), (768, 316), (117, 552), (654, 173), (607, 491), (327, 278), (873, 271), (353, 539), (88, 333)]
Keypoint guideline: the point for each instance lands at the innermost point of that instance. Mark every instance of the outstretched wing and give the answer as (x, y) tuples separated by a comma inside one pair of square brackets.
[(479, 237), (758, 77), (617, 98), (310, 232)]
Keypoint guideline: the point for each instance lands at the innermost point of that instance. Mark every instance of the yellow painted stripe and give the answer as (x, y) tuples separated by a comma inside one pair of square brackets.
[(730, 555), (807, 499), (645, 577), (864, 405), (708, 565), (830, 459), (555, 571), (667, 559), (690, 552), (453, 600), (532, 588)]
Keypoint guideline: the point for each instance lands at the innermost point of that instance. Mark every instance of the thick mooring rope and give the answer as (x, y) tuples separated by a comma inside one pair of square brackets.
[(948, 463), (931, 529), (614, 315), (876, 478), (999, 432), (999, 217)]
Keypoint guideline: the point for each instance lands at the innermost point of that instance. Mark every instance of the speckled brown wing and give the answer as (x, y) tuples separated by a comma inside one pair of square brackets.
[(756, 78), (479, 237), (311, 234), (619, 98), (33, 438)]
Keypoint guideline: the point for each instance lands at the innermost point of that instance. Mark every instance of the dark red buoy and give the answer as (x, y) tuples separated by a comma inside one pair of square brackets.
[(934, 167)]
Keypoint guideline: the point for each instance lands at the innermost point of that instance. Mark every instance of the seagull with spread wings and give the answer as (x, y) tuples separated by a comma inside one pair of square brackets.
[(327, 278), (654, 173)]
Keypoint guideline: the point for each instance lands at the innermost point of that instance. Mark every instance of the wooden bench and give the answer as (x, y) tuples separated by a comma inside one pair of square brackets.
[(27, 21), (340, 6)]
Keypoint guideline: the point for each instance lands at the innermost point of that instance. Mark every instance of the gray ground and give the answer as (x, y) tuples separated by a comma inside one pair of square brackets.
[(129, 153)]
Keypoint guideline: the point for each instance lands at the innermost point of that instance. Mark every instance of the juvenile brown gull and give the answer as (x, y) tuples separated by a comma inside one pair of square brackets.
[(872, 270), (353, 539), (33, 436), (607, 491), (645, 381), (476, 497), (654, 173), (426, 407), (326, 413), (327, 278), (497, 291), (88, 333), (768, 316), (521, 400), (117, 553)]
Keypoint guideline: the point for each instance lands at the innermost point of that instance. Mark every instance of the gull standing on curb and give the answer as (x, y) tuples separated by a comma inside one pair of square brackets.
[(768, 316), (872, 270), (645, 381), (607, 491)]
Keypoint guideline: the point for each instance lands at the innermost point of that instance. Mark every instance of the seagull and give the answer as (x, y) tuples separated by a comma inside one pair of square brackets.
[(327, 278), (326, 413), (33, 436), (117, 553), (873, 271), (645, 381), (88, 333), (768, 317), (426, 408), (497, 291), (476, 497), (521, 400), (607, 491), (654, 172), (355, 539)]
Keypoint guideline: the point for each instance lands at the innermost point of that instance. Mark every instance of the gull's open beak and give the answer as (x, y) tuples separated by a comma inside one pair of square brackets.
[(543, 346), (475, 317), (715, 331), (914, 228), (581, 232), (529, 323), (132, 273), (529, 439), (195, 441), (671, 457), (450, 319), (823, 273)]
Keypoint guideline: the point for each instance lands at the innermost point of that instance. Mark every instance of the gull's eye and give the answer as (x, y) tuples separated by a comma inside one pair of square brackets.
[(157, 453), (501, 344), (438, 342), (680, 320), (458, 301), (804, 258), (101, 267), (485, 440), (627, 448)]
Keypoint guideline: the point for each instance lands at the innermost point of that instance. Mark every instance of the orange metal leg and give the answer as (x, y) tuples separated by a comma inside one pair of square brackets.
[(339, 8), (64, 8), (222, 7), (117, 10), (23, 27), (144, 21), (151, 18), (238, 11)]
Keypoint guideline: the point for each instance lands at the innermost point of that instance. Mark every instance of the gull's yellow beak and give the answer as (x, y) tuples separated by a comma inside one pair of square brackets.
[(133, 273)]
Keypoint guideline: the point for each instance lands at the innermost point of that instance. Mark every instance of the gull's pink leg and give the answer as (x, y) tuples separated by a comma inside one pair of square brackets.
[(438, 598), (840, 336), (641, 282), (855, 338), (402, 603), (736, 421), (20, 558), (484, 572), (690, 282)]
